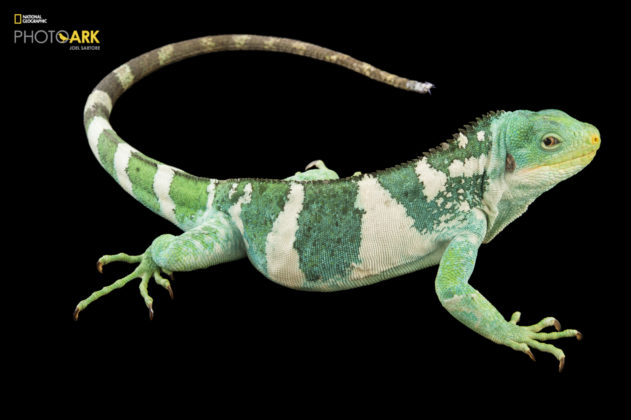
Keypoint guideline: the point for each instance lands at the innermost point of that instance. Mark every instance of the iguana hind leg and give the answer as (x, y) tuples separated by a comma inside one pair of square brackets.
[(213, 242)]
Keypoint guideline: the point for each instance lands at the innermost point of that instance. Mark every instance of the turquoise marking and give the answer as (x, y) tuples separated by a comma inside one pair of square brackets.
[(441, 159), (226, 195), (404, 186), (329, 232), (268, 200)]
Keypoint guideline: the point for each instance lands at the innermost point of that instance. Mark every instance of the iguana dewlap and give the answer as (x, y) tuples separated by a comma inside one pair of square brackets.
[(315, 231)]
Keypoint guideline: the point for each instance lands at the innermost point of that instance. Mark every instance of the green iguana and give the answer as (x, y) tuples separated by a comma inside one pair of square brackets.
[(315, 231)]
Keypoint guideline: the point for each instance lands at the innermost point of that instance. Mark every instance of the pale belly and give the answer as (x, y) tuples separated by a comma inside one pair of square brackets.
[(380, 260)]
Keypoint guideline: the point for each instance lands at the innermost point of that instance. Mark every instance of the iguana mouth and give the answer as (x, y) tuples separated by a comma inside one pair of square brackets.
[(587, 156)]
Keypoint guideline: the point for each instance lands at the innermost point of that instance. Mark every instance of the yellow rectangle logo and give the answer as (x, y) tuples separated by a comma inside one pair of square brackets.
[(17, 19)]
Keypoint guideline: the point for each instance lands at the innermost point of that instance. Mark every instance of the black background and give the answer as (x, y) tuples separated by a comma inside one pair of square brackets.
[(251, 114)]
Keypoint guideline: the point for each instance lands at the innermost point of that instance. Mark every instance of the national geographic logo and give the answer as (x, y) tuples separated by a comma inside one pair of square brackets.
[(19, 19), (76, 39)]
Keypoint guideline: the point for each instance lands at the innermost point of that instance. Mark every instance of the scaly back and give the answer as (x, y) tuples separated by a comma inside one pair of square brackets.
[(168, 191)]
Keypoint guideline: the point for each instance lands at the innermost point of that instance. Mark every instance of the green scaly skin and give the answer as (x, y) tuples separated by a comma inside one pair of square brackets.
[(314, 231)]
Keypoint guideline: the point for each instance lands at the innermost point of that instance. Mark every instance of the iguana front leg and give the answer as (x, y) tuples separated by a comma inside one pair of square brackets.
[(468, 306)]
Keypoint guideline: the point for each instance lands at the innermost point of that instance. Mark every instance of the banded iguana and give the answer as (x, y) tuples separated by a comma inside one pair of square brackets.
[(314, 231)]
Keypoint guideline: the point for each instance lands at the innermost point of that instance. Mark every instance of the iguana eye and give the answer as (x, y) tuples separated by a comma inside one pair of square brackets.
[(550, 142)]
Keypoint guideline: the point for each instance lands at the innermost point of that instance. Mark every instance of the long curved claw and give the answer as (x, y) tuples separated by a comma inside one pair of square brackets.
[(532, 356), (144, 284)]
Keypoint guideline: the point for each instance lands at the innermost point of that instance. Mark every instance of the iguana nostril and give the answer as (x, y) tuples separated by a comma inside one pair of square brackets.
[(595, 140)]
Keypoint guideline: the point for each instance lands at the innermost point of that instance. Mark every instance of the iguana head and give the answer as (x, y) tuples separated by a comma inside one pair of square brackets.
[(546, 147), (534, 152)]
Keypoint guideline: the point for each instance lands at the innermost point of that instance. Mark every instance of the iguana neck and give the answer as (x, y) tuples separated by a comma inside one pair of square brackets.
[(502, 201)]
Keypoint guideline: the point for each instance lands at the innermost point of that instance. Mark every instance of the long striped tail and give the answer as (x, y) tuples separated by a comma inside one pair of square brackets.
[(166, 190)]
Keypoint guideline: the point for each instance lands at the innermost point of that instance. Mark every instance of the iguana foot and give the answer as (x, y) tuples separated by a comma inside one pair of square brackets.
[(522, 338), (321, 173), (146, 269)]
